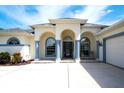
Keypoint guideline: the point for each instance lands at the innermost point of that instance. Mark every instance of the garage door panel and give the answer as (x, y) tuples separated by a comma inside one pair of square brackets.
[(115, 51)]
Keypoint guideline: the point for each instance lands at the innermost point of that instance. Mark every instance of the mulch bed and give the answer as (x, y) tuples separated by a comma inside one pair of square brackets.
[(19, 64)]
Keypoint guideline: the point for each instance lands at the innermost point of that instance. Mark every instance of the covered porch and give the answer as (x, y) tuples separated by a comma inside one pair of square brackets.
[(67, 48)]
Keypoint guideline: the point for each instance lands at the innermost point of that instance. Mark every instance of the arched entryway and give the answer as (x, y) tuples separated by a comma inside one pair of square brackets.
[(47, 46), (87, 46), (68, 37)]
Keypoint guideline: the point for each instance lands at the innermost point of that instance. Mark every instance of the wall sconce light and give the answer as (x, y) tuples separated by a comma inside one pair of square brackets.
[(100, 43)]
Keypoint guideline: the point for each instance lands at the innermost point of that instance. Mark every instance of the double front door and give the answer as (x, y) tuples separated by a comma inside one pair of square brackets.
[(68, 49)]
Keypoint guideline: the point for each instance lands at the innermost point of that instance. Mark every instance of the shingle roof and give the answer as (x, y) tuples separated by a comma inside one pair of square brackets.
[(94, 25), (15, 30)]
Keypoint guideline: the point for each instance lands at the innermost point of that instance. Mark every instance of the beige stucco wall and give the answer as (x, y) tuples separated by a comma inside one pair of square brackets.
[(32, 47), (41, 30), (93, 30), (3, 39), (73, 27)]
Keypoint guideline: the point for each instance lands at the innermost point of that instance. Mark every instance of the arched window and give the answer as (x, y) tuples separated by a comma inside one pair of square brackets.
[(13, 41), (85, 46), (50, 47)]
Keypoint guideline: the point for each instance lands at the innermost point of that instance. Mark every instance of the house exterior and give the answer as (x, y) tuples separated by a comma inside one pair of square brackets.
[(67, 38)]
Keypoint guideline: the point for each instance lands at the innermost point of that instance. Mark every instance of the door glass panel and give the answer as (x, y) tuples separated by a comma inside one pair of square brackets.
[(68, 49)]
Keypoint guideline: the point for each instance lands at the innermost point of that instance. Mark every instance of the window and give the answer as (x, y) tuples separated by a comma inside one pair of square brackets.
[(85, 46), (50, 47), (13, 41)]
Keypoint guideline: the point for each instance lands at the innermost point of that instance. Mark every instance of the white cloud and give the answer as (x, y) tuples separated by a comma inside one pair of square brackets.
[(19, 13), (93, 13), (109, 22), (44, 13), (49, 12)]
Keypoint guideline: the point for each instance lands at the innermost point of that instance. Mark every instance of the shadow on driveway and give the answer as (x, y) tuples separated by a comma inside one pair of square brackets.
[(107, 76)]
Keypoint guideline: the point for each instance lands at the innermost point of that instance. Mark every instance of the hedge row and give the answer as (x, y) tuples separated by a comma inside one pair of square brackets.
[(5, 58)]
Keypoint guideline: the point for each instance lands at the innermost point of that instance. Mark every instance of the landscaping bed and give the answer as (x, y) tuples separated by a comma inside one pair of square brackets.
[(14, 60), (19, 64)]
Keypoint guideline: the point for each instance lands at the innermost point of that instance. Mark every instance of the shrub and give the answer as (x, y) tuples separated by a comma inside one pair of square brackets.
[(16, 58), (4, 58)]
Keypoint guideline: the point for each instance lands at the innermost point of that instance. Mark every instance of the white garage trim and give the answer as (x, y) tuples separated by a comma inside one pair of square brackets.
[(99, 51), (104, 43)]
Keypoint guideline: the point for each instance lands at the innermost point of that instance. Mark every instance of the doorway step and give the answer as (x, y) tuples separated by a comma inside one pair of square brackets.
[(67, 61), (43, 61)]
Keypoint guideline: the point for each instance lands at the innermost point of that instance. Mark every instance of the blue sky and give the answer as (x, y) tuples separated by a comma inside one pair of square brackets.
[(22, 16)]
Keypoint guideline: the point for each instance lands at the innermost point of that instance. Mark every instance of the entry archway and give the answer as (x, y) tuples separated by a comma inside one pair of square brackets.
[(47, 45), (88, 45), (68, 38)]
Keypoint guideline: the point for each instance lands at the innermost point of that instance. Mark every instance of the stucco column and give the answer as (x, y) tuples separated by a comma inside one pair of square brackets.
[(77, 45), (37, 50), (77, 51), (58, 51)]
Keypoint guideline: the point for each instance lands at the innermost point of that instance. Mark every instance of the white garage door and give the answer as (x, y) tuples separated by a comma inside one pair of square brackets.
[(115, 51)]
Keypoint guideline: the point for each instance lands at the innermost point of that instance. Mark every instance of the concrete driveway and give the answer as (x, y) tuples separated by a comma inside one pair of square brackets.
[(61, 75)]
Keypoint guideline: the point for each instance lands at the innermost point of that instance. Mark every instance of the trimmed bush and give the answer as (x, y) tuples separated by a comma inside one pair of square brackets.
[(4, 58), (16, 58)]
